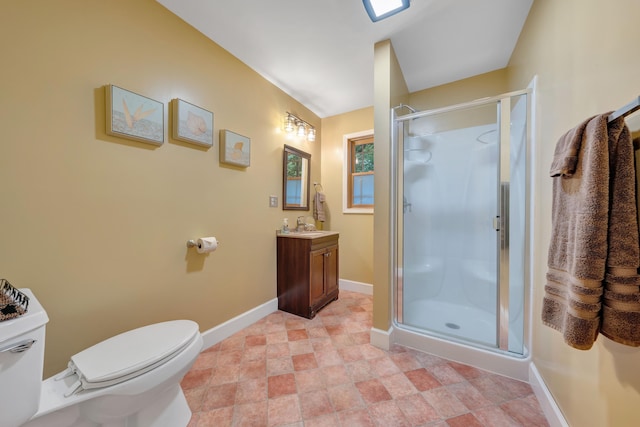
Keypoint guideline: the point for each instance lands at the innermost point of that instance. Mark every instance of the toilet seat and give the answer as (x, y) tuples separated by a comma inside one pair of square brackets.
[(129, 354)]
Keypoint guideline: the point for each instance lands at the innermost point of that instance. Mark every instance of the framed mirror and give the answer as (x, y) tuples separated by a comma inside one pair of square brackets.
[(295, 179)]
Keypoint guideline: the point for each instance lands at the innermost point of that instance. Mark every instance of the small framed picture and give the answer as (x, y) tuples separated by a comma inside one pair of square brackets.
[(234, 149), (192, 123), (134, 116)]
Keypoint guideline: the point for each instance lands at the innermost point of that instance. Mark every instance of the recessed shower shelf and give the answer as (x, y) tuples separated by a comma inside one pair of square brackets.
[(417, 155)]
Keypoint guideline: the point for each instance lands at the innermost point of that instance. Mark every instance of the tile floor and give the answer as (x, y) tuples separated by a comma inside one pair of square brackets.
[(285, 370)]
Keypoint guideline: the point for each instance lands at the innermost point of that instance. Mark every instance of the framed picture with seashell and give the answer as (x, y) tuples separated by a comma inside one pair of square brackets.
[(191, 123), (134, 116), (234, 149)]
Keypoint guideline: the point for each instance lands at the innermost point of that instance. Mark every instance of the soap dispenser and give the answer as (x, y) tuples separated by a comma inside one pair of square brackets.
[(285, 226)]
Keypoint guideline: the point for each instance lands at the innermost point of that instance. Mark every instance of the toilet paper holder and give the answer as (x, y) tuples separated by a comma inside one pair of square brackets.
[(191, 243)]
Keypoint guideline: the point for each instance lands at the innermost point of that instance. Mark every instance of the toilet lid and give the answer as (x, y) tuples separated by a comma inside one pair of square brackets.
[(133, 351)]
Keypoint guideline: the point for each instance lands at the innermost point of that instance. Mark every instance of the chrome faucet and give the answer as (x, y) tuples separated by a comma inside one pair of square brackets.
[(301, 224)]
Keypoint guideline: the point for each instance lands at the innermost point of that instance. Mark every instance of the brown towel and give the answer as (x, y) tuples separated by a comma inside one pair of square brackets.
[(593, 176), (318, 206), (578, 247), (621, 308), (565, 158)]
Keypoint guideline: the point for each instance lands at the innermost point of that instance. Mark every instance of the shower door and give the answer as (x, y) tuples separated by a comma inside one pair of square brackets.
[(460, 222)]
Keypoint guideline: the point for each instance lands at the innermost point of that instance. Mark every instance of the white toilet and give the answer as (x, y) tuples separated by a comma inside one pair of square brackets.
[(132, 379)]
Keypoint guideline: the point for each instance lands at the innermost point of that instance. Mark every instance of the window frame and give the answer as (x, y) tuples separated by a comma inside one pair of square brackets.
[(346, 173)]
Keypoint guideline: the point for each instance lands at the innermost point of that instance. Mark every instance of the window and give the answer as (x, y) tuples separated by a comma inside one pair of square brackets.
[(358, 173), (361, 171)]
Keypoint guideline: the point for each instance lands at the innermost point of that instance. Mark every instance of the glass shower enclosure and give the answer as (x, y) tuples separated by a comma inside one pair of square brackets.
[(460, 220)]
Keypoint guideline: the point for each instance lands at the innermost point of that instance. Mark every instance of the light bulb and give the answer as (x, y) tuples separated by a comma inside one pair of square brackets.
[(301, 130), (311, 136), (288, 127)]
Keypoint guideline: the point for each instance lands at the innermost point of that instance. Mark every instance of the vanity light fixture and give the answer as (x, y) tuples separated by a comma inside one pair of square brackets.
[(380, 9), (293, 123)]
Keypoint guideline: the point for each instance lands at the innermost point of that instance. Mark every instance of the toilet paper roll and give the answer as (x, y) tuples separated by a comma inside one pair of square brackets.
[(204, 245)]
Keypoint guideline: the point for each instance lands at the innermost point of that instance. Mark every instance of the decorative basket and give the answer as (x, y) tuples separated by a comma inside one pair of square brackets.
[(13, 303)]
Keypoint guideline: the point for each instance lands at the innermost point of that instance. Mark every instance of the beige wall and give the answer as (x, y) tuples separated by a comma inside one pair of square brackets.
[(585, 54), (97, 225), (480, 86), (356, 230), (390, 90)]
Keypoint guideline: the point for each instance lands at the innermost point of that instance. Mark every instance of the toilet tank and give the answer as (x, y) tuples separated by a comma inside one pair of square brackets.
[(21, 362)]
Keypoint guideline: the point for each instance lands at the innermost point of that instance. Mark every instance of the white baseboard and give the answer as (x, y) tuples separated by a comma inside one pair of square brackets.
[(231, 326), (508, 366), (382, 339), (546, 400), (350, 285)]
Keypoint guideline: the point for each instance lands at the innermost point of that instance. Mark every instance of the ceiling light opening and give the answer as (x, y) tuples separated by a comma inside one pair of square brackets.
[(381, 9)]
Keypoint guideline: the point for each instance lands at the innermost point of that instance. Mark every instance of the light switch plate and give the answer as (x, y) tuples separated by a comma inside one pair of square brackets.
[(273, 201)]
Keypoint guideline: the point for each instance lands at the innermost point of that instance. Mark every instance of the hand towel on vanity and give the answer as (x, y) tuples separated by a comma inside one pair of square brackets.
[(318, 206), (591, 175)]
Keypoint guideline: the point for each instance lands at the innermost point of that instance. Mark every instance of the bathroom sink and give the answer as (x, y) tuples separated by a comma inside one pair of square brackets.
[(307, 234)]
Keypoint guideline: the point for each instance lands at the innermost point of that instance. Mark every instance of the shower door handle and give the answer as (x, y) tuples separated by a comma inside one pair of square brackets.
[(496, 223), (504, 217), (503, 279)]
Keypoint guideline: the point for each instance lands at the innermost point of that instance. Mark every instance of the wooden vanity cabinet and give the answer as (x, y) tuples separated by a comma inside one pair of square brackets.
[(307, 273)]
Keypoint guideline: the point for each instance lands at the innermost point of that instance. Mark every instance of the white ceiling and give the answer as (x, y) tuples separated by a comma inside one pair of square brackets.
[(320, 52)]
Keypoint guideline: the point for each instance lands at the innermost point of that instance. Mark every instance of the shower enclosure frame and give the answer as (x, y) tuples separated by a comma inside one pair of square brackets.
[(499, 359)]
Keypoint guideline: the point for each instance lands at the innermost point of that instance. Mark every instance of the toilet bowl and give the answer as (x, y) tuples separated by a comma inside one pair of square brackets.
[(132, 379)]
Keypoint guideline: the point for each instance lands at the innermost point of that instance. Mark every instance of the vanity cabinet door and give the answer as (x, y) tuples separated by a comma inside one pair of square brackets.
[(331, 270), (324, 273), (317, 273)]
